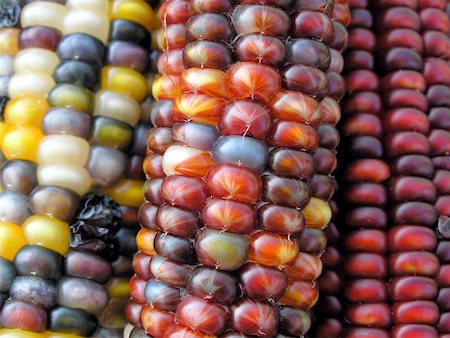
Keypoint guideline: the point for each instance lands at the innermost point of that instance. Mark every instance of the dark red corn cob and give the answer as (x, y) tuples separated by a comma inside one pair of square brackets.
[(330, 309), (365, 243), (436, 41), (410, 242)]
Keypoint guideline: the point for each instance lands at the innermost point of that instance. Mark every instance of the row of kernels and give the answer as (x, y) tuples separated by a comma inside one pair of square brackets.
[(155, 320), (127, 60), (366, 172), (329, 323), (412, 192), (51, 235), (435, 29)]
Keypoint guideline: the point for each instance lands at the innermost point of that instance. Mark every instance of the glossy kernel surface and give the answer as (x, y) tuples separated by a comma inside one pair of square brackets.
[(254, 318), (43, 14), (9, 38), (254, 81), (260, 19), (21, 143), (222, 250), (12, 238), (35, 108), (235, 183), (271, 249), (47, 232), (124, 80), (66, 176), (81, 20), (136, 11), (202, 315)]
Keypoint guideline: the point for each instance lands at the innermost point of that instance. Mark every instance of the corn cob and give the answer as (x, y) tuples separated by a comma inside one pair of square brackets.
[(52, 200), (365, 265), (63, 156), (83, 54), (435, 30), (219, 151), (329, 310), (28, 90), (412, 263)]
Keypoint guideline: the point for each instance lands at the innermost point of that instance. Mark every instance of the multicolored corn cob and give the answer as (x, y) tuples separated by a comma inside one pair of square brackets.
[(170, 40), (14, 204), (32, 290), (229, 191)]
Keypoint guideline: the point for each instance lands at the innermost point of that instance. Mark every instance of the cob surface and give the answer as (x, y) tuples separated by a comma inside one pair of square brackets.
[(435, 36), (69, 161), (229, 194), (365, 196), (413, 265)]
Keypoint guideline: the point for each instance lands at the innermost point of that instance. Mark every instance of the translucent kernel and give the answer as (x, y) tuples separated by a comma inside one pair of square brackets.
[(30, 84), (20, 143), (71, 177), (12, 240), (63, 149), (133, 10), (124, 80), (127, 192), (43, 13), (117, 106), (145, 241), (186, 161), (26, 110), (71, 96), (317, 213), (205, 81), (89, 22), (166, 87), (9, 41), (35, 60), (48, 232)]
